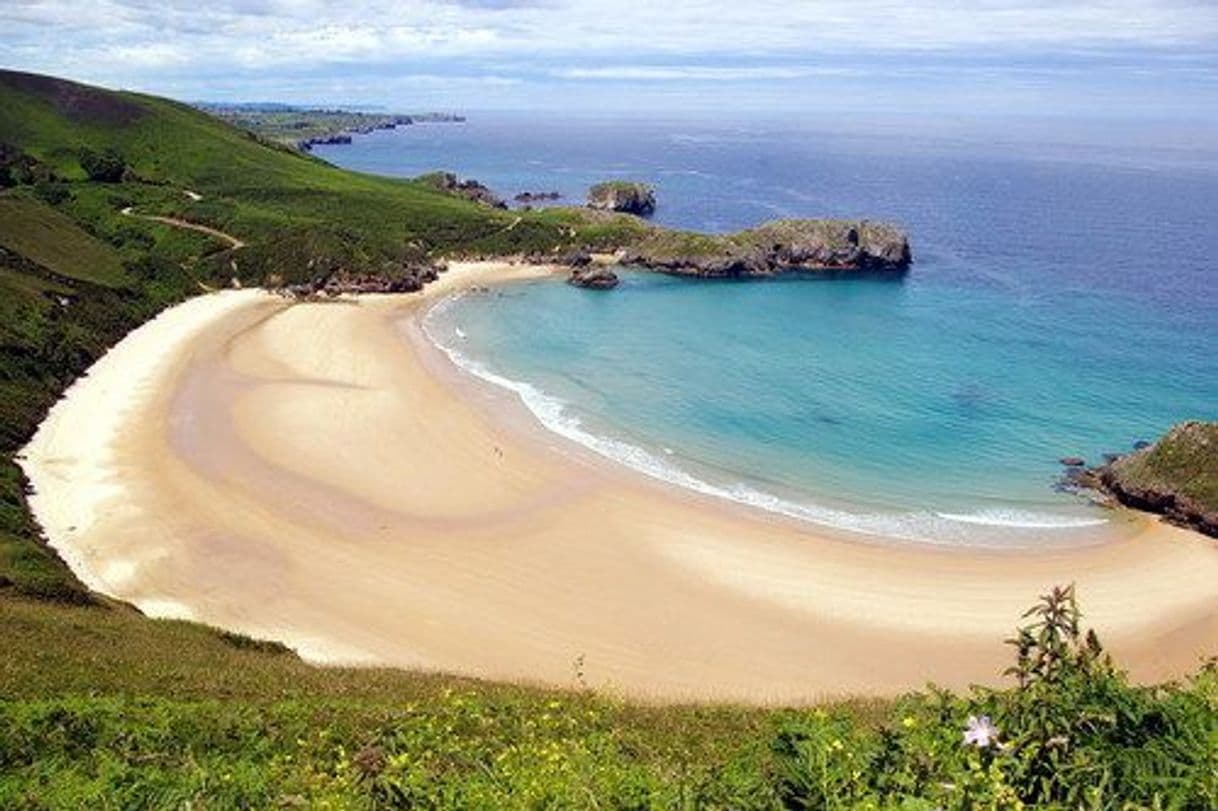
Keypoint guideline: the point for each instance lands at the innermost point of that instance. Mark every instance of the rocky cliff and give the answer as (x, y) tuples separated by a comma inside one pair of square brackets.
[(1176, 477), (776, 247)]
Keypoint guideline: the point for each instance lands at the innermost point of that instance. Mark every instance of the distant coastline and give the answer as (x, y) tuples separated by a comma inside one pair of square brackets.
[(306, 127)]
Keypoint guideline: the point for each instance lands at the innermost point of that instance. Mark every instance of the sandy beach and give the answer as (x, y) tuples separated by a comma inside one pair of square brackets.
[(318, 474)]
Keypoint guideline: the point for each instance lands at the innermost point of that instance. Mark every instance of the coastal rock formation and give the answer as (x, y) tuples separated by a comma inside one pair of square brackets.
[(629, 198), (1176, 477), (782, 246), (595, 277), (469, 189), (338, 138), (529, 197)]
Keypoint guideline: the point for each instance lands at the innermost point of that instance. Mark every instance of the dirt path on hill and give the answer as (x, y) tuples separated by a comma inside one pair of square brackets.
[(233, 242)]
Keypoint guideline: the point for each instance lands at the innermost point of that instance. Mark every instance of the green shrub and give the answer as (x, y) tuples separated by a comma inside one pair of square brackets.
[(106, 166)]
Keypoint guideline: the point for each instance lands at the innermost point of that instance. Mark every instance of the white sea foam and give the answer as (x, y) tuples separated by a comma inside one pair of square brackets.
[(1021, 519), (926, 527)]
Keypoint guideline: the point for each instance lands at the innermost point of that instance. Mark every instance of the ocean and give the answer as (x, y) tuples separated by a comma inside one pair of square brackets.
[(1063, 301)]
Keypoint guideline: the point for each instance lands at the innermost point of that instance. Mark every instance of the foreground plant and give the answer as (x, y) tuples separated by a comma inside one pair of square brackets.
[(1072, 733)]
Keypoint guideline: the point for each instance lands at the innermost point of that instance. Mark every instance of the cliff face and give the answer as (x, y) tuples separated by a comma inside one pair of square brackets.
[(1176, 477), (777, 247)]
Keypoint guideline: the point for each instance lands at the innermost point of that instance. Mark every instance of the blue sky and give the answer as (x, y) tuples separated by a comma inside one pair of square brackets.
[(1082, 58)]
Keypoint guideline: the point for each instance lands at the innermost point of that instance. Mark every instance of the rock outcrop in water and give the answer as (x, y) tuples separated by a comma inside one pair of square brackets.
[(526, 198), (595, 277), (824, 246), (624, 197), (1176, 477)]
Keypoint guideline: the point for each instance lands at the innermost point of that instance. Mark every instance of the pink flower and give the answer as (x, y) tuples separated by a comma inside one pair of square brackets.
[(980, 732)]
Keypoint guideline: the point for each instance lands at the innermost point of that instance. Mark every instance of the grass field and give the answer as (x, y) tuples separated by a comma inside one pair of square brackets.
[(102, 708), (38, 232)]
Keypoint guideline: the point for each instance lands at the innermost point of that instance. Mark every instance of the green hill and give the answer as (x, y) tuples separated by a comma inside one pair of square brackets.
[(277, 199), (102, 708)]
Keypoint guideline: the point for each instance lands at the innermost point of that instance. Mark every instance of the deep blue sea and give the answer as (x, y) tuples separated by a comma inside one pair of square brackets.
[(1063, 301)]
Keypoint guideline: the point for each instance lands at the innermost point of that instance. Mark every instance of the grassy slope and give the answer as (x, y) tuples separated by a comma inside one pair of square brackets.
[(113, 674), (103, 708), (269, 195), (35, 230)]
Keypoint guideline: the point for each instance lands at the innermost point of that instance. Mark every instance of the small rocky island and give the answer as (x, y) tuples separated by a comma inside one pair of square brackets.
[(623, 197), (527, 198), (594, 277), (1176, 477)]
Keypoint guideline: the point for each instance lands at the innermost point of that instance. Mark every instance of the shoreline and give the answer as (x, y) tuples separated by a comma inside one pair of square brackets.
[(472, 379), (299, 472)]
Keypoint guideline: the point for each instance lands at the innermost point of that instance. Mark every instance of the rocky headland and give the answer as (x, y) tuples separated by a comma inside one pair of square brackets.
[(1176, 477), (304, 127), (783, 246)]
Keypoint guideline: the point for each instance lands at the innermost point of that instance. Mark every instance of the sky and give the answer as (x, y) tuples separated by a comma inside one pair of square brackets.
[(1151, 59)]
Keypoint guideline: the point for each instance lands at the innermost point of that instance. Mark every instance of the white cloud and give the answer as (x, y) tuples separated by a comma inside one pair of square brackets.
[(664, 73), (160, 43)]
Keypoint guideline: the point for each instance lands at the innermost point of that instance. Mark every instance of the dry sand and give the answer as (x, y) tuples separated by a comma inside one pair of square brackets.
[(318, 474)]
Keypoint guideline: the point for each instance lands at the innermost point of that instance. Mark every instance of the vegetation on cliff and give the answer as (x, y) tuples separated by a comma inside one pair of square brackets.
[(1176, 477)]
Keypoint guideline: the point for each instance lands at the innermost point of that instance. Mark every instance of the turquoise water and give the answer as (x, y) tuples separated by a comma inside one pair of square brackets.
[(1056, 307)]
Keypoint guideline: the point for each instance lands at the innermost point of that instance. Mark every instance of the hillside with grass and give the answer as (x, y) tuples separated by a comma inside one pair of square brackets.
[(103, 708), (285, 204)]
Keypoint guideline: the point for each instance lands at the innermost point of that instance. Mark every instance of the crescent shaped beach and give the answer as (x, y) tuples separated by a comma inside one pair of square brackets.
[(320, 474)]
